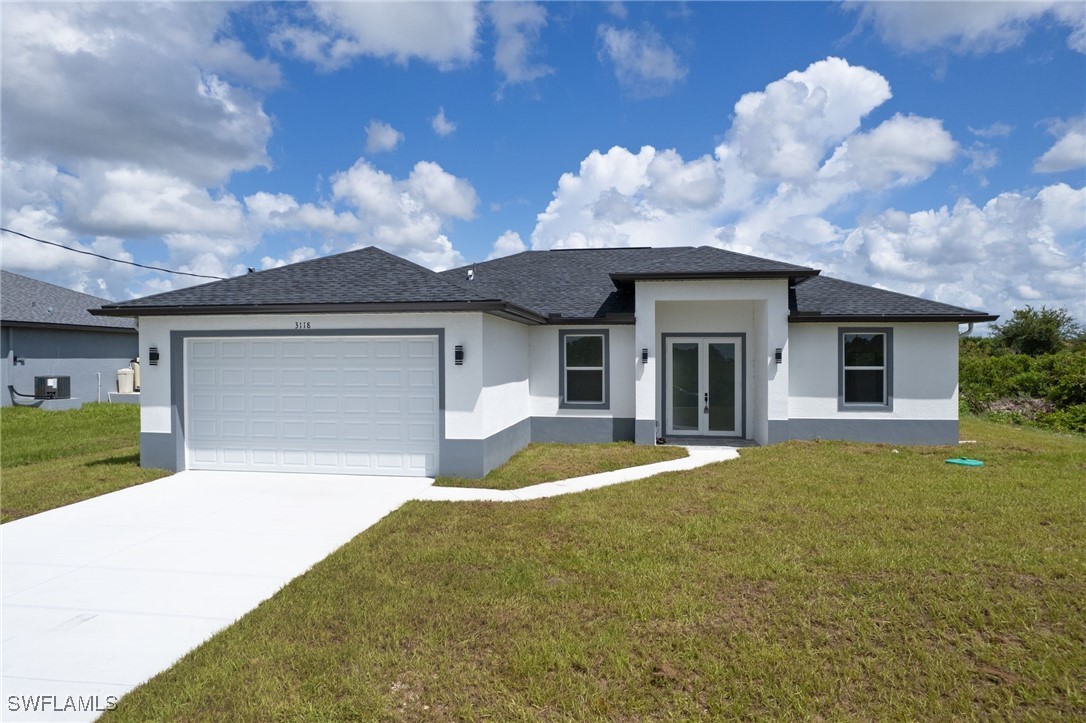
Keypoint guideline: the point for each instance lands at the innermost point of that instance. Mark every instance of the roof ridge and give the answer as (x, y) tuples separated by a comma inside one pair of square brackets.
[(440, 276)]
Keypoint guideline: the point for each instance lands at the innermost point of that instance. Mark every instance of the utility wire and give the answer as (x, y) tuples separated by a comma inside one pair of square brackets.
[(107, 258)]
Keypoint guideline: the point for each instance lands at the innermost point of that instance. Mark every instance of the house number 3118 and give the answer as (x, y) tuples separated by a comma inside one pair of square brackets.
[(301, 325)]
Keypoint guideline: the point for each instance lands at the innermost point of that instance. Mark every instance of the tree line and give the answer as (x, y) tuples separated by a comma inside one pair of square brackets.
[(1031, 370)]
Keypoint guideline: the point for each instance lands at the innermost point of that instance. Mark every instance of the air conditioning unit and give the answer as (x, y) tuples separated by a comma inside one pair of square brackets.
[(52, 387)]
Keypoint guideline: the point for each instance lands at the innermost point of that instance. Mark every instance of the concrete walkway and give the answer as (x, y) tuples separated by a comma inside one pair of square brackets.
[(699, 456), (101, 595)]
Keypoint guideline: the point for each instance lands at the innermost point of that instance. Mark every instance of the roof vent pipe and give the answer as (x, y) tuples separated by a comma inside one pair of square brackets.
[(471, 273)]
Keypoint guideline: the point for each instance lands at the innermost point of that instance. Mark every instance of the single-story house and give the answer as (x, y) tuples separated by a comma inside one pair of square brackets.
[(56, 355), (366, 363)]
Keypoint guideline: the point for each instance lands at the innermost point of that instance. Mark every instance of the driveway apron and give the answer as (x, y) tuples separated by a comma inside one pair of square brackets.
[(101, 595)]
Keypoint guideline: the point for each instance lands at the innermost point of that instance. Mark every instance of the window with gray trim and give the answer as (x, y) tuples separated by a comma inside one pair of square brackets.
[(866, 378), (583, 359)]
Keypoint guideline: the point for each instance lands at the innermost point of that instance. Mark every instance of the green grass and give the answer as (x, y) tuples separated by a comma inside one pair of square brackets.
[(804, 580), (50, 459), (538, 463)]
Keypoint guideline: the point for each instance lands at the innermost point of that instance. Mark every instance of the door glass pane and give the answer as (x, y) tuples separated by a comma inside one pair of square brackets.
[(685, 409), (584, 385), (722, 387), (864, 386)]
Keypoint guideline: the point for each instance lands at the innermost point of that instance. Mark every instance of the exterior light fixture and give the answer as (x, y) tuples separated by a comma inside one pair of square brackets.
[(458, 355), (152, 356), (645, 355), (778, 356)]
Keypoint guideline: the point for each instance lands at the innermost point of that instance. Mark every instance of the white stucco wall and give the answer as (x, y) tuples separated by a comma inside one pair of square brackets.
[(925, 372), (544, 364), (757, 308), (464, 417), (504, 395)]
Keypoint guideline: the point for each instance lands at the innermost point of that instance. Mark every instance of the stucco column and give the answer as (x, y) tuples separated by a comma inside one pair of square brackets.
[(645, 375)]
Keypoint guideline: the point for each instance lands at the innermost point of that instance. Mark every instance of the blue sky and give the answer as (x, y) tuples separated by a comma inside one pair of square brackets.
[(932, 148)]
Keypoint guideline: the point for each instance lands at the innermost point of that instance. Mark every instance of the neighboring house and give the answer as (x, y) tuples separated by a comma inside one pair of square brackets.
[(47, 331), (366, 363)]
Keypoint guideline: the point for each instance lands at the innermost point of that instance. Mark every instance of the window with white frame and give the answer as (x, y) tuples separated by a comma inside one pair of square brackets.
[(866, 379), (583, 373)]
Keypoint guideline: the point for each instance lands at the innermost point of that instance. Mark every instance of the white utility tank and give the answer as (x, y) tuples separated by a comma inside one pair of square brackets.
[(124, 381)]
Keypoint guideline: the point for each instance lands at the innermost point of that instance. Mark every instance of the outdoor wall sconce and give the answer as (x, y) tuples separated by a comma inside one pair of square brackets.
[(778, 356), (645, 355), (458, 355), (152, 356)]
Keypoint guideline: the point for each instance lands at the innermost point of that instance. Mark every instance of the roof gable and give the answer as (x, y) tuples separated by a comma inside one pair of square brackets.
[(24, 300)]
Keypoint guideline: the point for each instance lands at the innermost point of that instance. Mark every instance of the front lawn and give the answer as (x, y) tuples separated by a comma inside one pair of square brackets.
[(804, 580), (550, 462), (50, 459)]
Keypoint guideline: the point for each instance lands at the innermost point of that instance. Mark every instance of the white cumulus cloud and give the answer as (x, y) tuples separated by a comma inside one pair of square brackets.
[(518, 26), (795, 153), (442, 125), (969, 27), (381, 137), (336, 33), (1069, 151), (644, 64), (507, 244)]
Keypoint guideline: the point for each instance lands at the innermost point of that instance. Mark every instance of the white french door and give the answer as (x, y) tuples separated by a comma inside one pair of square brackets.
[(704, 386)]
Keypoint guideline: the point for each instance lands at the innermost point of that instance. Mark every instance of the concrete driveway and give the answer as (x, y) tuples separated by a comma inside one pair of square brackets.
[(101, 595)]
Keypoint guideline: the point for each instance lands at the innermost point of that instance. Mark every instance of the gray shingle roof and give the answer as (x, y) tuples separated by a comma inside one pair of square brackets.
[(827, 299), (24, 300), (562, 285), (365, 276), (710, 262), (587, 283)]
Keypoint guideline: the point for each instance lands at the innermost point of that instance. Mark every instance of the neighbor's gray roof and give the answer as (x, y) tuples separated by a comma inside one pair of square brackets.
[(823, 298), (364, 280), (28, 302), (593, 283)]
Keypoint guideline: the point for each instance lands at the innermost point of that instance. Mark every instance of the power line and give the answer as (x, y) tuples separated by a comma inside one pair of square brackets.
[(107, 258)]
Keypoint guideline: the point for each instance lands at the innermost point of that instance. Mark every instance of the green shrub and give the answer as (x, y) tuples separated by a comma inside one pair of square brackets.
[(1029, 384), (1070, 419)]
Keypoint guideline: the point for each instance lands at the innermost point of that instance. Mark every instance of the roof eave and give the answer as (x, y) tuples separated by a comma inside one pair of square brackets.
[(815, 317), (606, 320), (67, 327), (711, 275), (496, 307)]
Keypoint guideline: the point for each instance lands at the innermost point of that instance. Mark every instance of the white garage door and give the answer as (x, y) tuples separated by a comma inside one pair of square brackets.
[(342, 405)]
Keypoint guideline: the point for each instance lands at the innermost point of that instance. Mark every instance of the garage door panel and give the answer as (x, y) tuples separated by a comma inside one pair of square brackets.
[(342, 405), (262, 428), (387, 348), (294, 403), (325, 431), (294, 377), (262, 377)]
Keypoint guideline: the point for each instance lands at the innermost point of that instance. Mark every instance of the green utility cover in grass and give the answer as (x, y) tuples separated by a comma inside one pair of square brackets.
[(965, 462)]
